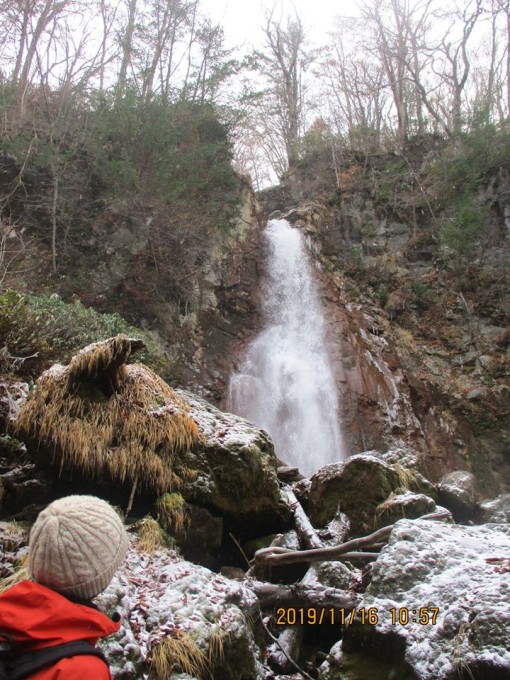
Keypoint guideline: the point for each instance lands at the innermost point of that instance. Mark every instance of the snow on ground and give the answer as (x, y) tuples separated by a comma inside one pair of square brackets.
[(159, 595)]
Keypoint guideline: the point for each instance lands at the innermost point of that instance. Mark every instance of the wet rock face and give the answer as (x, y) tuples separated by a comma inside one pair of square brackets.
[(442, 592), (417, 364), (226, 310)]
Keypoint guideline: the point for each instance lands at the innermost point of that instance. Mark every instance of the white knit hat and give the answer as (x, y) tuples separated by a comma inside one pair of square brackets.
[(76, 545)]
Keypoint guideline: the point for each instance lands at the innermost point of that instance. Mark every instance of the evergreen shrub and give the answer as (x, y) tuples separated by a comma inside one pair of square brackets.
[(47, 329)]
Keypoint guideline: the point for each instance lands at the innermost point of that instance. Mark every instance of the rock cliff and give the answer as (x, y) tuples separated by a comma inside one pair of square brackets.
[(418, 331)]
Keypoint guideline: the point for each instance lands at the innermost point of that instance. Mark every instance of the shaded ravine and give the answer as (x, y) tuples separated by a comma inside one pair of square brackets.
[(286, 383)]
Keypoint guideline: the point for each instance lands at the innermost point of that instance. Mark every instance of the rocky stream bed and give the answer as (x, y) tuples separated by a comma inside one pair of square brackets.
[(241, 569)]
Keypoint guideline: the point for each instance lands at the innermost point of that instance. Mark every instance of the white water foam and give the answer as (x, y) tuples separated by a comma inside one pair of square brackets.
[(286, 384)]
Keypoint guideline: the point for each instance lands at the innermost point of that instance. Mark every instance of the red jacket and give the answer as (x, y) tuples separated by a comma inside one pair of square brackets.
[(38, 617)]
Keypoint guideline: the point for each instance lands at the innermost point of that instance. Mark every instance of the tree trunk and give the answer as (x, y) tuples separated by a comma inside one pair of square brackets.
[(127, 48)]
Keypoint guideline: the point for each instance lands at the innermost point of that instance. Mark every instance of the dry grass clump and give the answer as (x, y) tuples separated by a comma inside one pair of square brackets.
[(99, 416), (178, 652), (151, 536), (406, 477), (216, 651), (384, 508)]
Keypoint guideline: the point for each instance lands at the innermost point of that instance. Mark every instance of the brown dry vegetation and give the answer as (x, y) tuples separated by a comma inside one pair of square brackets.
[(99, 416)]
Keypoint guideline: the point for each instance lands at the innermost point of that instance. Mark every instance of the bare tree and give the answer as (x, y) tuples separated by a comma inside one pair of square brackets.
[(354, 85), (160, 35), (127, 45), (501, 8), (282, 63), (398, 30), (454, 55), (37, 18)]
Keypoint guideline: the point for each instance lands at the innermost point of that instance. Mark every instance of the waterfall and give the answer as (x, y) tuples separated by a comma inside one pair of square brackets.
[(285, 384)]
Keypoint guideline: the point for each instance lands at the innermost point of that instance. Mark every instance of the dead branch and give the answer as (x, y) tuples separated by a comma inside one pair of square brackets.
[(302, 595), (304, 527), (289, 658), (279, 556), (290, 639)]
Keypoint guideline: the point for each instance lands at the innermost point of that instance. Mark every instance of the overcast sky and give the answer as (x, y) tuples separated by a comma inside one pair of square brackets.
[(242, 19)]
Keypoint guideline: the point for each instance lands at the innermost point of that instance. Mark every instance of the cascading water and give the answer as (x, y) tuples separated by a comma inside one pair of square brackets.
[(286, 385)]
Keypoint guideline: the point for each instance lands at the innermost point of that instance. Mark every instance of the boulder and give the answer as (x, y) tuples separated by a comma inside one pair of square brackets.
[(336, 575), (100, 418), (341, 665), (409, 505), (203, 536), (23, 488), (457, 493), (497, 510), (196, 619), (235, 468), (102, 421), (440, 594), (358, 486), (407, 464)]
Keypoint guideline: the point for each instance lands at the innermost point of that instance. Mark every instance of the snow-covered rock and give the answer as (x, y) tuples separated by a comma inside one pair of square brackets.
[(236, 468), (440, 595), (409, 505), (204, 616), (457, 493), (497, 510)]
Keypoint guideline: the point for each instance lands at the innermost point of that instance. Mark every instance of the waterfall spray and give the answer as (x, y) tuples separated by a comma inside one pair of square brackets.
[(285, 384)]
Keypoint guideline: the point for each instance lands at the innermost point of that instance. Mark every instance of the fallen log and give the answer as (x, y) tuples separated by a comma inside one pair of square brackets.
[(278, 556), (304, 528), (302, 595), (288, 644)]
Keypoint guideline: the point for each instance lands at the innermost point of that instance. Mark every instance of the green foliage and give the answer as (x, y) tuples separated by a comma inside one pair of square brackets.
[(178, 152), (458, 175), (460, 230), (383, 296), (110, 147), (473, 158), (388, 180), (317, 141), (424, 293), (46, 329), (355, 263), (364, 138)]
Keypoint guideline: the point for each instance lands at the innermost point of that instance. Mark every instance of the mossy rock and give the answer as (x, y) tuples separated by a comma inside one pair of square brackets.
[(103, 421), (236, 469), (358, 486)]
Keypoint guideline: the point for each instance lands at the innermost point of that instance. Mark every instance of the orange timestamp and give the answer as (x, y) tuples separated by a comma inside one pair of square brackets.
[(312, 616)]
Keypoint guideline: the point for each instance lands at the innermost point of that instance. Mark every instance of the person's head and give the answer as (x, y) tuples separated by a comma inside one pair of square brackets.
[(76, 545)]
